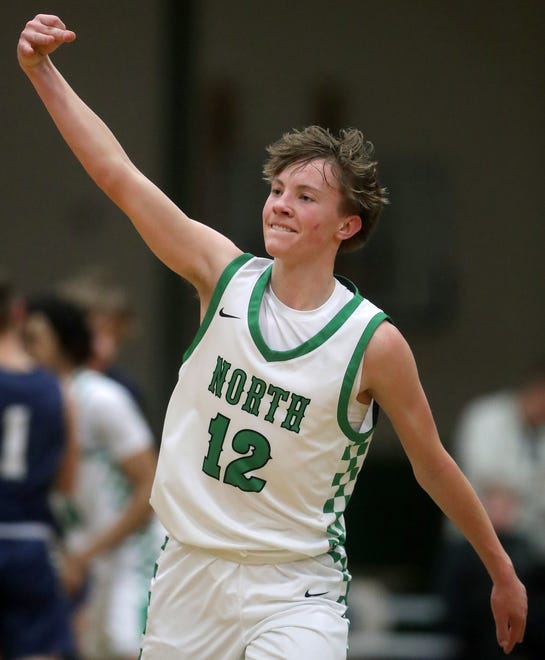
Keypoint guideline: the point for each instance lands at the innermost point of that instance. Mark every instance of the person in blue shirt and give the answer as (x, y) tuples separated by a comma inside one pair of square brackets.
[(38, 455)]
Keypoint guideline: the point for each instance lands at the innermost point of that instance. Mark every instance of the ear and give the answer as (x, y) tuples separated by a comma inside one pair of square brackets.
[(350, 225)]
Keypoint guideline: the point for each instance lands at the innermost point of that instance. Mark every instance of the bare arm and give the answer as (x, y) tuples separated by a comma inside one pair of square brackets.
[(196, 252), (390, 376), (139, 469)]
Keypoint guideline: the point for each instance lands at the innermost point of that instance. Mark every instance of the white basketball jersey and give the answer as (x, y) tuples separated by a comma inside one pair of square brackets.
[(258, 459)]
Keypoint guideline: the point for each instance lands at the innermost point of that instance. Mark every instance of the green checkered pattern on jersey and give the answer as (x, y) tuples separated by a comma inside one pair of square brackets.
[(343, 483)]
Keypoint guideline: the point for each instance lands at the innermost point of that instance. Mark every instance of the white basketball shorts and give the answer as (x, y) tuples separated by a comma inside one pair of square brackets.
[(208, 608)]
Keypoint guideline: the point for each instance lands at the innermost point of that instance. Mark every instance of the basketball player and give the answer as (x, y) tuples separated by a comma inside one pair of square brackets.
[(275, 406), (108, 535), (38, 455)]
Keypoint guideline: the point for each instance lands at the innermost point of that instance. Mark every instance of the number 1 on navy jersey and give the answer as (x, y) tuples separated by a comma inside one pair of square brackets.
[(14, 424)]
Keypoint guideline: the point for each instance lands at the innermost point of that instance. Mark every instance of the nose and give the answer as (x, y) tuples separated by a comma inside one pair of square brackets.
[(282, 206)]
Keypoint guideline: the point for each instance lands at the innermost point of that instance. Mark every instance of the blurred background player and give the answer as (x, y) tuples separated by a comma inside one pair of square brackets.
[(111, 536), (500, 445), (111, 318), (38, 454)]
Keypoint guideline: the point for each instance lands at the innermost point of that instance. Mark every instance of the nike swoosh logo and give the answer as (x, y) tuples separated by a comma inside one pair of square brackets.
[(227, 316), (320, 593)]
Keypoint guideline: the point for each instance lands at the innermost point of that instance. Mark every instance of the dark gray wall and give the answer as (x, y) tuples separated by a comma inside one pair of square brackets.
[(54, 221)]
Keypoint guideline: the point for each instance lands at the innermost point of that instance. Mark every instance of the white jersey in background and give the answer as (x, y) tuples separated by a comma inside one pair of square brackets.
[(111, 429)]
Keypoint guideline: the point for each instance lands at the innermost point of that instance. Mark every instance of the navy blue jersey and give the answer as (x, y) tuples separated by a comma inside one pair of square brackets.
[(34, 610), (32, 443)]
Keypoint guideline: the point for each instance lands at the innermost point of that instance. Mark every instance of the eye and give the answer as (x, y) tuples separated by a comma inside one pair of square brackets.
[(306, 198), (275, 191)]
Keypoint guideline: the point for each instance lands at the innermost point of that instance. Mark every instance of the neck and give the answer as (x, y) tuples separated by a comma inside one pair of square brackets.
[(12, 354), (299, 287)]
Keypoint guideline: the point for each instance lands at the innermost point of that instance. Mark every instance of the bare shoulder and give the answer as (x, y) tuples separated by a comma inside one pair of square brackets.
[(387, 343), (388, 359)]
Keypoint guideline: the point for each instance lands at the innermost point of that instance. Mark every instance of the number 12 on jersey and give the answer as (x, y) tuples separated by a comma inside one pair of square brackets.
[(254, 448)]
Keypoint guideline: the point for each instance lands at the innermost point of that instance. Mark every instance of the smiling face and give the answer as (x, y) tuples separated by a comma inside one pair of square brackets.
[(302, 216)]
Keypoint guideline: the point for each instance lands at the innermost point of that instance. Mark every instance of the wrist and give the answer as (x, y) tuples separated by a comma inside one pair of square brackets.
[(502, 570), (36, 67)]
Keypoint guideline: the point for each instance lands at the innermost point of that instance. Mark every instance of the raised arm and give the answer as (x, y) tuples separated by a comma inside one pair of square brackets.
[(390, 376), (191, 249)]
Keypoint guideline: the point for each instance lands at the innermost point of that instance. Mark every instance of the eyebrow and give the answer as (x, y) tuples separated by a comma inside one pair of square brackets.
[(299, 186)]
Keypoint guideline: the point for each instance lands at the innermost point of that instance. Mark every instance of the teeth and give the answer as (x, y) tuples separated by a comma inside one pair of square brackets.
[(281, 228)]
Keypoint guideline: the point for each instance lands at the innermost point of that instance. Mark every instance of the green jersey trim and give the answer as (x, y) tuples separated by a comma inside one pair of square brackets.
[(221, 285), (306, 347), (355, 451), (349, 377)]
